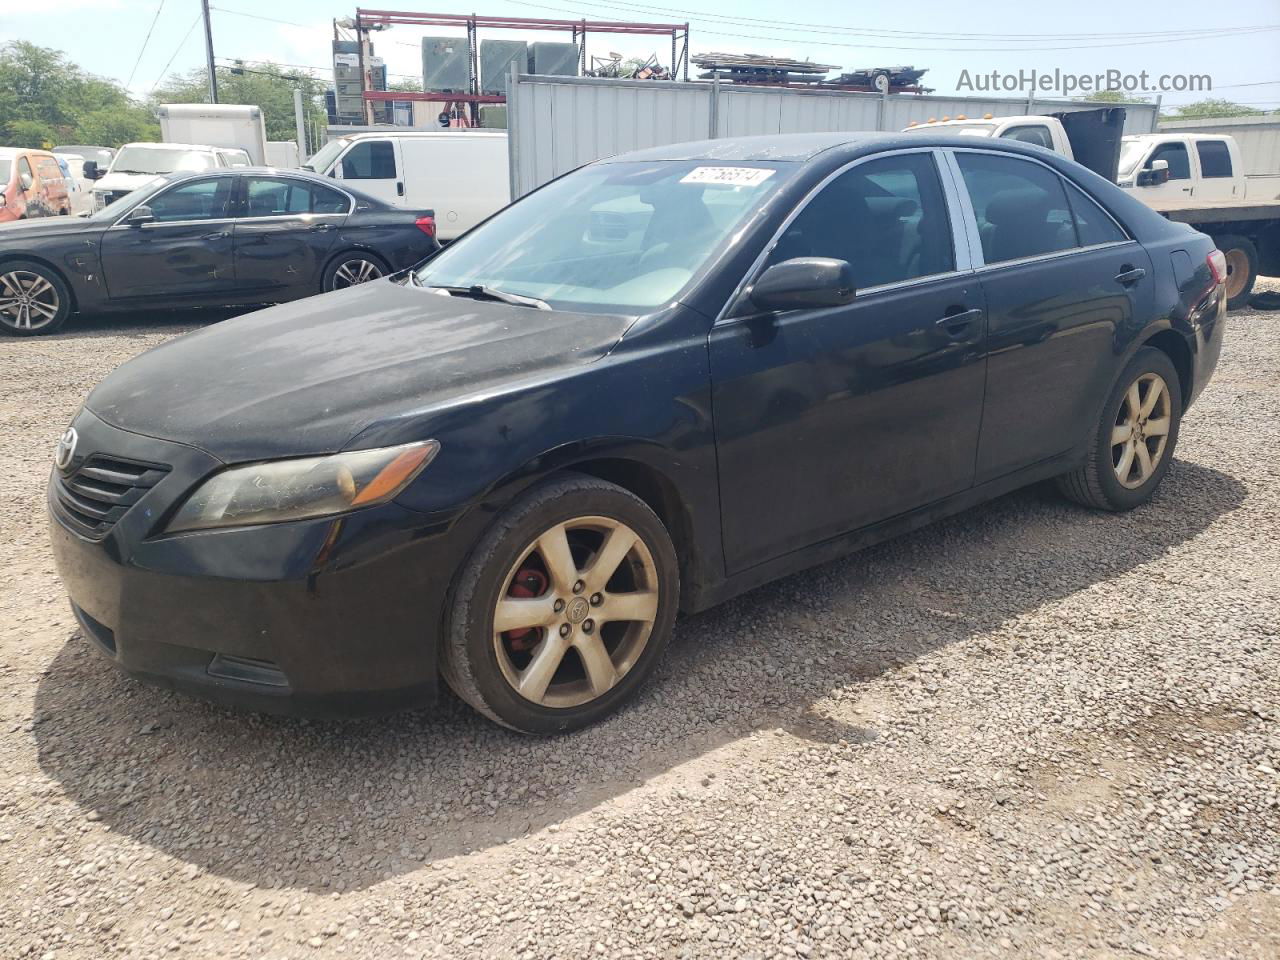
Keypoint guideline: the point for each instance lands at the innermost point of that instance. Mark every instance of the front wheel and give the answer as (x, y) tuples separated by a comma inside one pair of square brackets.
[(1133, 442), (563, 608), (33, 298)]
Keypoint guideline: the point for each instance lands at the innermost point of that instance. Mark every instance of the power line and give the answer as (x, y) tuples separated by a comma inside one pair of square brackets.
[(145, 41), (257, 16), (178, 49)]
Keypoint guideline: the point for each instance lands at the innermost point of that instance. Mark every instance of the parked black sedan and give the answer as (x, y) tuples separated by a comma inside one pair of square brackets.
[(652, 384), (217, 238)]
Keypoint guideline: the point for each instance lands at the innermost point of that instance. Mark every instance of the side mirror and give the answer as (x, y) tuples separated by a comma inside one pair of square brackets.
[(804, 283), (90, 170), (139, 215), (25, 181), (1154, 175)]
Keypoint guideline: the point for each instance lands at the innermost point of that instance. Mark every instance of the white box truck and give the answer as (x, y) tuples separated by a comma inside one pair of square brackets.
[(219, 125)]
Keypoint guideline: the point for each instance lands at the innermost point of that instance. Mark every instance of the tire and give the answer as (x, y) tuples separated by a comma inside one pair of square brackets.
[(34, 299), (490, 669), (1242, 268), (359, 263), (1099, 482)]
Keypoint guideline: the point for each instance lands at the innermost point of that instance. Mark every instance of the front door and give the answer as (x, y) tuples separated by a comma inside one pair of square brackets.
[(1179, 184), (284, 234), (184, 252), (828, 420), (1062, 280), (375, 167)]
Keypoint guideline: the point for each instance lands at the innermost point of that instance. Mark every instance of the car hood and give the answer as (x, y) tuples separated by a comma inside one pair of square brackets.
[(306, 377), (123, 181)]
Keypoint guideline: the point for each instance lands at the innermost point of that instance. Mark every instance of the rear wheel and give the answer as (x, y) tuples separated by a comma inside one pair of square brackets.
[(33, 298), (353, 268), (563, 609), (1133, 443), (1242, 268)]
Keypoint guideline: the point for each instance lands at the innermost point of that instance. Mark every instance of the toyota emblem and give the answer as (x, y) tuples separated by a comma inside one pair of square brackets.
[(66, 449)]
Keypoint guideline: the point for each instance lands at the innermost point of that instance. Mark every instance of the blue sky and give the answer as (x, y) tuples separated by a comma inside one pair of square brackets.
[(1085, 36)]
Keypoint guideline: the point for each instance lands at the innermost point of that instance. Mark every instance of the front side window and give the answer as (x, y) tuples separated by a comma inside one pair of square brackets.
[(237, 158), (611, 237), (1021, 207), (25, 177), (370, 160), (1176, 155), (284, 196), (193, 200), (886, 217), (1215, 158), (1037, 134)]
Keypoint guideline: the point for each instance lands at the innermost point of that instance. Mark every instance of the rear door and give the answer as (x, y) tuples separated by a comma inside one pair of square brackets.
[(831, 419), (1062, 280), (375, 167), (1217, 178), (186, 252), (284, 233)]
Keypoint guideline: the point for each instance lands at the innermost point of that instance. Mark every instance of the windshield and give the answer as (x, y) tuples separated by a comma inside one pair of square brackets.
[(117, 207), (326, 154), (1131, 152), (609, 238), (160, 160)]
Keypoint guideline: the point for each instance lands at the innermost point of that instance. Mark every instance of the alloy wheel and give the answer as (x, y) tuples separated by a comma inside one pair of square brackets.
[(27, 300), (356, 271), (1141, 430), (576, 612)]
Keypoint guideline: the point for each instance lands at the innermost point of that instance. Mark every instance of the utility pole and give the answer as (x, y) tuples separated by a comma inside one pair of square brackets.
[(208, 50), (300, 121)]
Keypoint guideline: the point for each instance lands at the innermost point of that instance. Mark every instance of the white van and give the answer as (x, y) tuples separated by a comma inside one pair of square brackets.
[(462, 175)]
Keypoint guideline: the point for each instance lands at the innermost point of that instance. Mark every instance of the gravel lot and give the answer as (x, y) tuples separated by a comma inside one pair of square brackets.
[(1031, 730)]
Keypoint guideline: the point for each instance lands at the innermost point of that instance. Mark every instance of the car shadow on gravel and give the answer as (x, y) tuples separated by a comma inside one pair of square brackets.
[(342, 805)]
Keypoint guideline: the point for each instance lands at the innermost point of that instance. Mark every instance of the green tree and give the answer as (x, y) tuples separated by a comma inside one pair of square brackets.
[(263, 85), (1213, 107), (1115, 96), (405, 86), (45, 100)]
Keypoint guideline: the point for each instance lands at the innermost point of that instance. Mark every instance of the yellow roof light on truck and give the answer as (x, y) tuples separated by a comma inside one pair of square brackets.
[(986, 116)]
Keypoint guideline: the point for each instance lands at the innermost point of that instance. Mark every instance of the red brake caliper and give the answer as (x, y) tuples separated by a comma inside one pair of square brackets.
[(526, 584)]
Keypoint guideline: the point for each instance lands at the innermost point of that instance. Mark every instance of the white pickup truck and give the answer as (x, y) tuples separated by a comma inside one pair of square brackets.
[(1191, 178)]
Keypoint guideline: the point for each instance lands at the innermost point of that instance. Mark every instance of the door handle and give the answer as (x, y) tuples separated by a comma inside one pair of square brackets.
[(1129, 275), (399, 188), (957, 320), (220, 235), (322, 227)]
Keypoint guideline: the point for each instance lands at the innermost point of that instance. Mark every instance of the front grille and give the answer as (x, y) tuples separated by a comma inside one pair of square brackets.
[(101, 491)]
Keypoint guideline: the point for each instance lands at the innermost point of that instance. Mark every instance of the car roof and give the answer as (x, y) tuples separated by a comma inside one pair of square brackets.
[(171, 146), (800, 147), (179, 175), (414, 134)]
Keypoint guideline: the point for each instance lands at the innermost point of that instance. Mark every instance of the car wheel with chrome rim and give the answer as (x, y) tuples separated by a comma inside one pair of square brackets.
[(33, 299), (563, 608), (353, 269)]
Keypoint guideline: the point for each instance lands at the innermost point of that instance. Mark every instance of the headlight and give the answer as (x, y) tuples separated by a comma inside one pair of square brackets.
[(308, 487)]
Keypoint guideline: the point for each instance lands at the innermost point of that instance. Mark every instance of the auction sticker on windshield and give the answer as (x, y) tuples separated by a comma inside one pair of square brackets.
[(729, 176)]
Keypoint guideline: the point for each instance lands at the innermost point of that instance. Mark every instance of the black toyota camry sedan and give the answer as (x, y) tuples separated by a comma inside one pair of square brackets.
[(215, 238), (653, 383)]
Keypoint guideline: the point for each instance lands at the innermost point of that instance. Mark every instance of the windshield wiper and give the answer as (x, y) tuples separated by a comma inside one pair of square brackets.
[(479, 291)]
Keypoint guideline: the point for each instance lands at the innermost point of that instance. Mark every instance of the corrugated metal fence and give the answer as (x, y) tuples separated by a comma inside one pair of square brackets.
[(558, 123)]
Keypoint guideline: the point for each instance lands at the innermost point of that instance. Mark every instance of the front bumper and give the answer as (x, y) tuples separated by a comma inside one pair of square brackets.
[(330, 617)]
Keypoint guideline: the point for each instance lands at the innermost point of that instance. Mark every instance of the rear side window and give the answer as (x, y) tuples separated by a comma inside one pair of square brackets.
[(1093, 225), (370, 160), (1037, 134), (1215, 158), (1176, 155), (1021, 207), (886, 217), (282, 196)]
